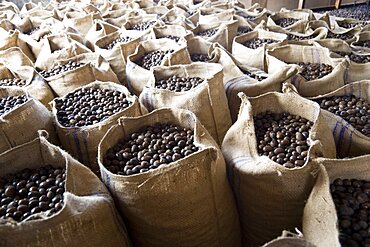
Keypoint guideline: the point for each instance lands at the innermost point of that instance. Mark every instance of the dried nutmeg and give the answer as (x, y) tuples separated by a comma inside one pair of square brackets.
[(10, 102), (179, 84)]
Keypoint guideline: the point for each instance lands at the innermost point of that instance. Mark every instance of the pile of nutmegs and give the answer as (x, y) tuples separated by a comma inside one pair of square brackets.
[(32, 191), (13, 82), (175, 38), (179, 84), (363, 43), (253, 75), (88, 106), (342, 36), (257, 42), (296, 37), (71, 65), (313, 71), (357, 58), (243, 30), (119, 40), (207, 33), (153, 58), (142, 26), (360, 12), (354, 110), (10, 102), (149, 148), (352, 201), (283, 137), (286, 22), (198, 57)]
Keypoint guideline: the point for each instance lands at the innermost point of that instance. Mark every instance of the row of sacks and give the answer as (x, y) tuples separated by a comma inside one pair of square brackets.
[(191, 202)]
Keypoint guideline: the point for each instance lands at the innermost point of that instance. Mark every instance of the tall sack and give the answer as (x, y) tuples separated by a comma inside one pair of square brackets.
[(355, 71), (320, 221), (20, 125), (98, 30), (117, 56), (186, 203), (270, 197), (94, 68), (14, 64), (57, 47), (281, 56), (256, 57), (224, 35), (349, 141), (137, 77), (82, 142), (299, 26), (88, 214), (12, 39), (252, 87), (207, 101)]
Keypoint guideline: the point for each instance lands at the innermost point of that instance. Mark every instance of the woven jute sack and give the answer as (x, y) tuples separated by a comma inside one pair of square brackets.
[(207, 101), (137, 76), (186, 203), (56, 47), (117, 56), (178, 16), (349, 141), (252, 17), (12, 39), (226, 31), (20, 125), (99, 30), (299, 26), (14, 64), (80, 21), (361, 37), (253, 87), (94, 68), (281, 56), (159, 32), (211, 15), (158, 10), (256, 57), (5, 5), (82, 142), (352, 32), (342, 24), (306, 38), (320, 221), (355, 71), (88, 215), (270, 197)]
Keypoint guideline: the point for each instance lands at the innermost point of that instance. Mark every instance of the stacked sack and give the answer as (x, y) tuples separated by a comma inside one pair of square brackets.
[(209, 123)]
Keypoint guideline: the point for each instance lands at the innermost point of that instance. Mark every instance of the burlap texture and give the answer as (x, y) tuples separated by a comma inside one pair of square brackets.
[(94, 68), (20, 125), (320, 221), (82, 142), (270, 197), (137, 77), (207, 101), (299, 26), (361, 37), (349, 141), (98, 30), (88, 215), (279, 57), (256, 57), (12, 39), (185, 203)]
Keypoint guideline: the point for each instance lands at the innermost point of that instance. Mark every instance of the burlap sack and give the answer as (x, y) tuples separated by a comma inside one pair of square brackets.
[(224, 35), (12, 39), (82, 142), (158, 10), (256, 57), (21, 124), (342, 23), (252, 17), (5, 5), (8, 25), (211, 15), (57, 47), (88, 215), (94, 68), (207, 101), (279, 57), (320, 221), (14, 64), (270, 197), (117, 17), (78, 21), (137, 77), (353, 32), (117, 56), (186, 203), (361, 37), (349, 141), (355, 71), (308, 37), (98, 30), (29, 6), (158, 32), (299, 26), (178, 16), (252, 87), (135, 18)]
